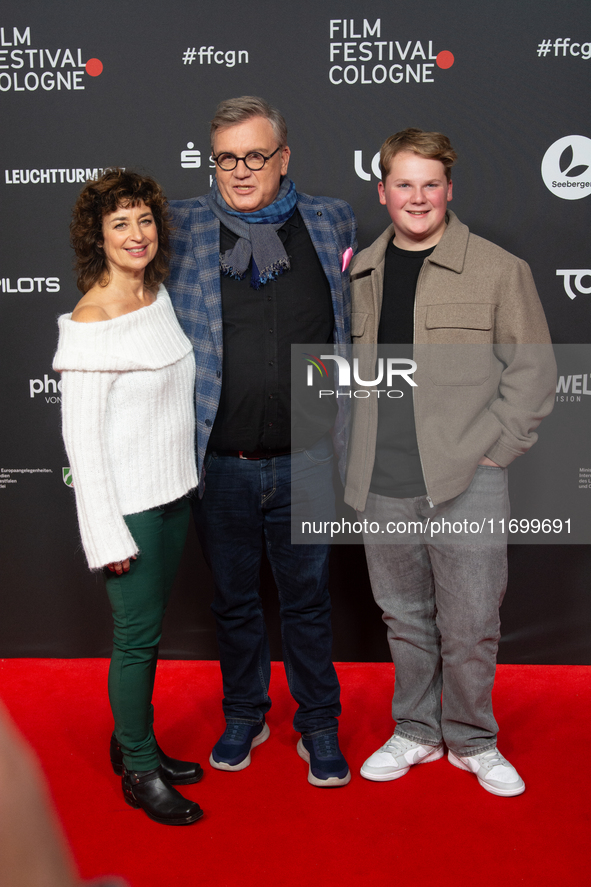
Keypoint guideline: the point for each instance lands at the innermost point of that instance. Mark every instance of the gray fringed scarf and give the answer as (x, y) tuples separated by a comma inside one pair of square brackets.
[(257, 233)]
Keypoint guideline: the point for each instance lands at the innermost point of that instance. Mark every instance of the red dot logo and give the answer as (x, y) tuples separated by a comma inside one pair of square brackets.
[(94, 67), (445, 59)]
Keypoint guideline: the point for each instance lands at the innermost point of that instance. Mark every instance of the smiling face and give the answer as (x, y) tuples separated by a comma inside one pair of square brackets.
[(244, 190), (416, 192), (130, 238)]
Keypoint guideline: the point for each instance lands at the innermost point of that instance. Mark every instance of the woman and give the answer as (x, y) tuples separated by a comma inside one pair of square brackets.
[(128, 425)]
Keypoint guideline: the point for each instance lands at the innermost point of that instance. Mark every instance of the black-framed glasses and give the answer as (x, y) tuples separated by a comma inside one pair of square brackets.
[(253, 161)]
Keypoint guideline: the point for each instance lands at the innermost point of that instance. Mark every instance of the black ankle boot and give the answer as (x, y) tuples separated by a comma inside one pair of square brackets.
[(176, 772), (150, 791)]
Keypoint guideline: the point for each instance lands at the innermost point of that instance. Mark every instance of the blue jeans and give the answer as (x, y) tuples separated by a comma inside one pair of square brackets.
[(246, 506), (440, 595)]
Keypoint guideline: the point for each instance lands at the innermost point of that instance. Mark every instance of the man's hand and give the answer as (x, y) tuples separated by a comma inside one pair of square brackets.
[(486, 461)]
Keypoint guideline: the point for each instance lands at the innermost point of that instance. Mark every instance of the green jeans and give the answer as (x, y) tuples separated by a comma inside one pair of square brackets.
[(138, 600)]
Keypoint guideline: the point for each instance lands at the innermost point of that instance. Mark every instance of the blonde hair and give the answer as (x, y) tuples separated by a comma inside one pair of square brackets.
[(433, 145)]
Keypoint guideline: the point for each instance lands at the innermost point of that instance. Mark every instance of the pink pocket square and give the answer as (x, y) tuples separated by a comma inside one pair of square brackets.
[(347, 256)]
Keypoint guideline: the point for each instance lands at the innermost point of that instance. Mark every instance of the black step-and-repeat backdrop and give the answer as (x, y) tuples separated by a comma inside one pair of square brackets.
[(84, 87)]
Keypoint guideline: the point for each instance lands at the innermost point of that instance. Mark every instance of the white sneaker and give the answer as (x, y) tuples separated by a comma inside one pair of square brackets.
[(397, 756), (493, 771)]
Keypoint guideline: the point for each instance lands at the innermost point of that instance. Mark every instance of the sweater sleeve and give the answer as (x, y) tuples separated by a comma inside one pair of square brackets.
[(105, 536)]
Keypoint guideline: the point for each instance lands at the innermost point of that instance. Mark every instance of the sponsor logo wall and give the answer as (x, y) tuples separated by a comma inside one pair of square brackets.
[(80, 94), (26, 66), (363, 57), (30, 285), (566, 167), (573, 281)]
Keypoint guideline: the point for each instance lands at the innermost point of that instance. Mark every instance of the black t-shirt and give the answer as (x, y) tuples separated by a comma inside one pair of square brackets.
[(397, 469)]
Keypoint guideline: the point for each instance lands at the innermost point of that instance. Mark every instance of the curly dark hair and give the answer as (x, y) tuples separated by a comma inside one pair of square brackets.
[(116, 188)]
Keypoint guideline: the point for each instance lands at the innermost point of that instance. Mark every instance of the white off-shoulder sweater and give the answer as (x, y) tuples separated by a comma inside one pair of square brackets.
[(128, 420)]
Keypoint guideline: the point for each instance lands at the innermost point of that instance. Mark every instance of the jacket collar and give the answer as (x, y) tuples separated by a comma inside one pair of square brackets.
[(450, 252), (370, 258)]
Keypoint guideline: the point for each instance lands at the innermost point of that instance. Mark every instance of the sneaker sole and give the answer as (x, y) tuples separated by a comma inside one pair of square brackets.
[(435, 755), (258, 740), (501, 792), (331, 782)]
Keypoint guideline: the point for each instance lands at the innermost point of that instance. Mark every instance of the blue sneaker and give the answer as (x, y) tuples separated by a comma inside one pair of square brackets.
[(328, 768), (232, 750)]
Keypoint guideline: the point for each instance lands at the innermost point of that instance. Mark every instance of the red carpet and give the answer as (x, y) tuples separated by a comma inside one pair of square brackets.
[(266, 826)]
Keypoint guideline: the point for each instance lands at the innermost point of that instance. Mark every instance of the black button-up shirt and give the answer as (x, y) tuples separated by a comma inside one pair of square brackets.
[(259, 327)]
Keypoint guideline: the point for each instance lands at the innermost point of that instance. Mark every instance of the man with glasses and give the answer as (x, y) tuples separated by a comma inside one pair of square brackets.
[(259, 266)]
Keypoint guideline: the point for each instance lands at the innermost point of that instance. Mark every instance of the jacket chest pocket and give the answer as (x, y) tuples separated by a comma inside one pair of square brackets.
[(460, 338)]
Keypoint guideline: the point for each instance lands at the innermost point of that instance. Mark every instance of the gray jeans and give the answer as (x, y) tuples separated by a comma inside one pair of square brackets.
[(440, 587)]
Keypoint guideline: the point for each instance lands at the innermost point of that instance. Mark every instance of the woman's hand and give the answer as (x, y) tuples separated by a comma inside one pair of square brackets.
[(120, 567)]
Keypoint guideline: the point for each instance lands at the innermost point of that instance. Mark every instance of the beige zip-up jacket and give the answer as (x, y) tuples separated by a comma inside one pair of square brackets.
[(486, 374)]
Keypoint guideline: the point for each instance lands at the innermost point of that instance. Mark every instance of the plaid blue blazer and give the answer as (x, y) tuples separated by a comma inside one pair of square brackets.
[(195, 290)]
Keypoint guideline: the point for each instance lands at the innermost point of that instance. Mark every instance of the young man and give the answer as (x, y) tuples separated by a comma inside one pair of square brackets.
[(258, 266), (485, 378)]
